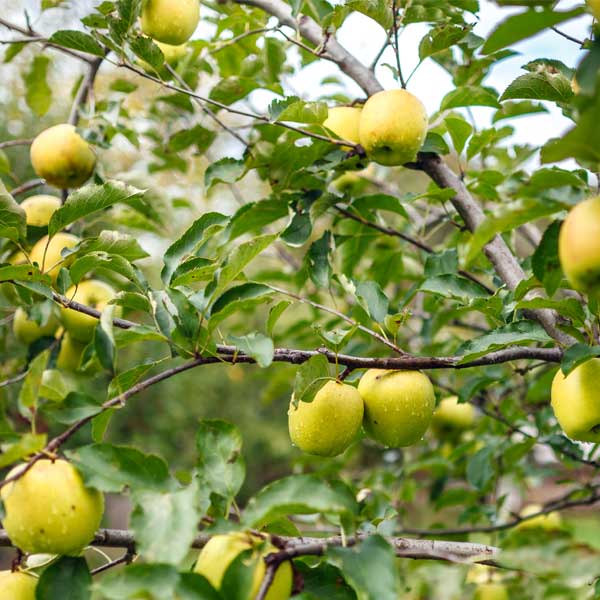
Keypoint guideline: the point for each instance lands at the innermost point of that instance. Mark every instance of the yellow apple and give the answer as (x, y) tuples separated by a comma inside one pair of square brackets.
[(393, 126), (170, 21), (50, 259), (26, 330), (452, 415), (17, 586), (398, 406), (39, 209), (579, 246), (172, 53), (69, 355), (343, 121), (594, 6), (483, 574), (62, 157), (93, 293), (221, 551), (354, 181), (49, 510), (329, 424), (576, 401), (549, 522), (491, 591)]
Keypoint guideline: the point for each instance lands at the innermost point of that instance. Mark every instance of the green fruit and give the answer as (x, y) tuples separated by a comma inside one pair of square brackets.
[(39, 209), (548, 522), (170, 21), (329, 424), (26, 330), (17, 586), (221, 551), (93, 293), (49, 510), (398, 406), (393, 126), (576, 401), (69, 355), (491, 591), (62, 157), (452, 415), (343, 121), (48, 255)]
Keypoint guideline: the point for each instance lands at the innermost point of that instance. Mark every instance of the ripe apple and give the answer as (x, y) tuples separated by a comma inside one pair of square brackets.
[(327, 425), (221, 551), (50, 259), (62, 157), (170, 21), (576, 403), (17, 586), (594, 6), (69, 355), (49, 510), (26, 330), (393, 126), (343, 121), (93, 293), (398, 406), (491, 591), (549, 522), (39, 209), (172, 53), (450, 415), (579, 246)]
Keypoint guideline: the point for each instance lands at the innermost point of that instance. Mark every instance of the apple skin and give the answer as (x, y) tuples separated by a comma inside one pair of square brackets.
[(399, 406), (170, 21), (549, 522), (491, 591), (594, 6), (17, 586), (329, 424), (452, 415), (93, 293), (221, 551), (38, 209), (344, 121), (27, 331), (393, 127), (579, 246), (69, 355), (50, 511), (62, 157), (172, 53), (53, 254), (576, 401)]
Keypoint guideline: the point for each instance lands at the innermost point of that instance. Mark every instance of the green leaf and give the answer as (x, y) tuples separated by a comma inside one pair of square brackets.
[(66, 579), (317, 259), (239, 576), (379, 10), (165, 523), (523, 25), (372, 299), (104, 341), (127, 379), (258, 346), (255, 215), (453, 286), (193, 270), (434, 142), (111, 242), (102, 260), (545, 262), (226, 170), (570, 308), (298, 230), (576, 355), (76, 406), (274, 314), (470, 95), (299, 111), (198, 136), (540, 85), (441, 38), (77, 40), (311, 376), (30, 389), (38, 93), (323, 582), (238, 294), (298, 495), (232, 89), (369, 568), (511, 110), (459, 130), (27, 444), (12, 217), (148, 51), (480, 468), (90, 199), (442, 263)]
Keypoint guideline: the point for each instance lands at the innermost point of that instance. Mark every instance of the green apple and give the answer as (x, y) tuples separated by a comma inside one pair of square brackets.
[(93, 293), (329, 424), (38, 209), (399, 406), (393, 126), (579, 246), (343, 121), (49, 510), (69, 355), (17, 585), (170, 21), (576, 401), (549, 522), (450, 415), (62, 157), (221, 551), (491, 591), (48, 254), (27, 331), (594, 6)]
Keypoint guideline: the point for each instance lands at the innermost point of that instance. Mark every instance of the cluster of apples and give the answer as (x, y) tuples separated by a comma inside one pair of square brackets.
[(391, 126)]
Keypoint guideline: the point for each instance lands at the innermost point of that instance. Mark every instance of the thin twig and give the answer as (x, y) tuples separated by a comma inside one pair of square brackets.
[(27, 186), (568, 37), (11, 143), (396, 44), (12, 380)]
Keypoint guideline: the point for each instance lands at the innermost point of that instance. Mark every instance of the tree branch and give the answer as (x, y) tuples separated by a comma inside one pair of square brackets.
[(84, 91), (27, 186), (11, 143)]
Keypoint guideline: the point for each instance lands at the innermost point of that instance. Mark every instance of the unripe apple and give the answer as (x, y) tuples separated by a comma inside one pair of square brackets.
[(398, 406), (49, 510), (17, 586), (26, 330), (594, 6), (548, 522), (329, 424), (62, 157), (393, 126), (69, 355), (170, 21), (576, 401), (172, 53), (452, 415), (50, 260), (221, 551), (579, 246), (343, 121), (93, 293), (39, 209), (491, 591)]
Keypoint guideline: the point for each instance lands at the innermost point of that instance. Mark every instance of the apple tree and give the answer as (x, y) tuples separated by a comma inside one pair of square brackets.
[(228, 193)]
